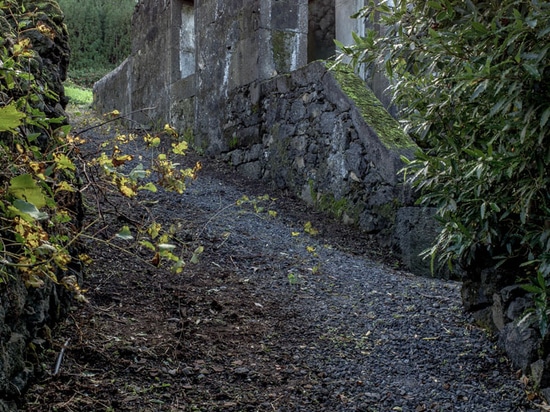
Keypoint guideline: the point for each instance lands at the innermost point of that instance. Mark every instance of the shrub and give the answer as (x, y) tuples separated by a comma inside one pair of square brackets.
[(473, 80), (39, 201)]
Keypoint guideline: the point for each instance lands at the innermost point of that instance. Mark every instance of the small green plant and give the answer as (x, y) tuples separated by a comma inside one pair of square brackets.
[(79, 96), (539, 288), (127, 176), (260, 204), (292, 278)]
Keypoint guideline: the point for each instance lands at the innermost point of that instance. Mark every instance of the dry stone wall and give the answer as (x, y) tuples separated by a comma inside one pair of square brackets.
[(324, 136)]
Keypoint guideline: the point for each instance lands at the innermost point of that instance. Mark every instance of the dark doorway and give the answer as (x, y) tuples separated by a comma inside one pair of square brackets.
[(321, 30)]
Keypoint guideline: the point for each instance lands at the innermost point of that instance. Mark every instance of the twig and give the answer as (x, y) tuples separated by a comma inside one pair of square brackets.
[(60, 358), (87, 129)]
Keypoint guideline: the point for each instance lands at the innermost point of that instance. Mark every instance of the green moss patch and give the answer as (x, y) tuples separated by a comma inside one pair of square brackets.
[(78, 95), (281, 50), (376, 116), (335, 207)]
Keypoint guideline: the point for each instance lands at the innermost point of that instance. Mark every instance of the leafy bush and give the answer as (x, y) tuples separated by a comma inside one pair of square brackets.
[(473, 80), (43, 176), (39, 202)]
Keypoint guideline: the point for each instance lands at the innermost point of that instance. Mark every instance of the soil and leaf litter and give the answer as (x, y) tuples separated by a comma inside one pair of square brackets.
[(257, 303)]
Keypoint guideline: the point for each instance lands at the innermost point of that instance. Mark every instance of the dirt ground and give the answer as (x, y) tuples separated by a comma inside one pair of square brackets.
[(286, 310)]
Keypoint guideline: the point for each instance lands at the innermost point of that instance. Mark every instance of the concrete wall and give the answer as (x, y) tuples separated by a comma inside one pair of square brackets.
[(242, 41), (156, 83), (252, 99)]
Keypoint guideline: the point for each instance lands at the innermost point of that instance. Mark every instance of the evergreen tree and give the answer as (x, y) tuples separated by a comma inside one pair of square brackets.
[(99, 35)]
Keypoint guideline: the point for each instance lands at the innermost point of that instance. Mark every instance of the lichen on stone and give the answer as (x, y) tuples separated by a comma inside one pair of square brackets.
[(281, 53)]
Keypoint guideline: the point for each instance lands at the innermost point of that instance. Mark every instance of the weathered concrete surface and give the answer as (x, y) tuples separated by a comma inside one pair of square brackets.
[(150, 86), (253, 41)]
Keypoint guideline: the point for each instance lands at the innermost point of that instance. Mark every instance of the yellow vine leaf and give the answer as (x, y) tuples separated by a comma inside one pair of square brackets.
[(32, 280), (127, 191), (64, 187), (62, 259), (152, 141), (114, 113), (179, 148), (308, 228), (170, 130), (154, 230), (85, 259), (120, 160), (62, 162)]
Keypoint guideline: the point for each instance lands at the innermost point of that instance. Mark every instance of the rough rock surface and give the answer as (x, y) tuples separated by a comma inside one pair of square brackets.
[(26, 315)]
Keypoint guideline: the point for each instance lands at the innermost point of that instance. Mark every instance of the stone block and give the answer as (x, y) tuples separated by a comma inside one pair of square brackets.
[(415, 231), (252, 170), (521, 344)]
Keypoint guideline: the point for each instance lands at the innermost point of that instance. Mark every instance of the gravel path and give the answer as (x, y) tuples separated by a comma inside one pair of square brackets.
[(275, 317), (376, 338)]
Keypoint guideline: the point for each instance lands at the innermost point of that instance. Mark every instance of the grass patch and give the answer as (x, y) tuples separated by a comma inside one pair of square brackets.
[(79, 96)]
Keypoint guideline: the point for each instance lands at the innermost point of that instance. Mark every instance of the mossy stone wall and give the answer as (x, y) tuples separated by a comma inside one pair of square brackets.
[(322, 134)]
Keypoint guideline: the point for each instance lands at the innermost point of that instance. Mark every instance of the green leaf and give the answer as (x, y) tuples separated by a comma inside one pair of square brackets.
[(166, 246), (25, 188), (195, 258), (10, 117), (532, 70), (139, 172), (63, 162), (149, 186), (544, 117), (531, 288), (29, 209), (148, 245), (480, 28), (125, 233), (479, 89)]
